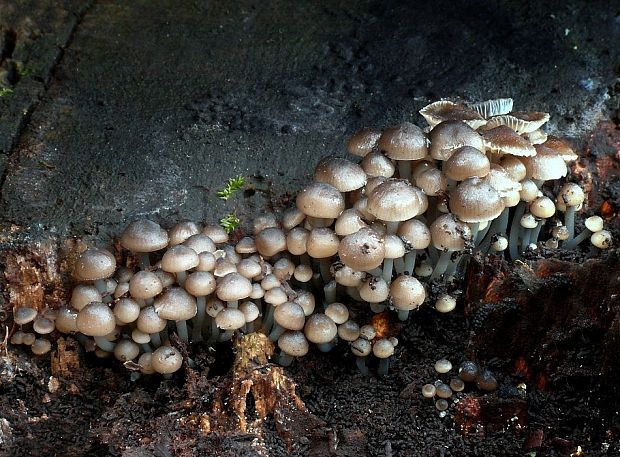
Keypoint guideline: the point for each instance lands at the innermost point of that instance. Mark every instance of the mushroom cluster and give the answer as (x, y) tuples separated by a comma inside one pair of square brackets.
[(366, 234), (442, 389)]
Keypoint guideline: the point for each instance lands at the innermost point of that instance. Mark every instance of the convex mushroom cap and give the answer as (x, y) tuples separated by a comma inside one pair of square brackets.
[(320, 200), (407, 293), (473, 200), (94, 264), (179, 258), (175, 304), (362, 250), (320, 329), (96, 319), (404, 142), (396, 200), (344, 175), (233, 287), (144, 236)]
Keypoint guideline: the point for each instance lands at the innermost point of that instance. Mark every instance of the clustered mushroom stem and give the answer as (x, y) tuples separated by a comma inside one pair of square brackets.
[(145, 261), (535, 232), (201, 306), (213, 332), (326, 347), (475, 227), (277, 331), (498, 226), (482, 234), (104, 344), (525, 238), (569, 222), (233, 304), (572, 243), (284, 359), (324, 266), (330, 291), (182, 330), (515, 230), (403, 314), (387, 270), (226, 336), (384, 366), (103, 290), (268, 321), (410, 259), (361, 365), (404, 169), (377, 307), (400, 265), (181, 277), (155, 339), (441, 265)]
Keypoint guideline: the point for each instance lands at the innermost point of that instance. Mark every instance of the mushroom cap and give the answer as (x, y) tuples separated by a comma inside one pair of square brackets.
[(179, 258), (248, 268), (290, 315), (246, 245), (361, 347), (249, 310), (322, 243), (230, 319), (473, 200), (126, 349), (296, 240), (233, 287), (374, 290), (520, 122), (449, 234), (294, 343), (320, 329), (144, 236), (200, 283), (175, 304), (376, 164), (23, 315), (449, 136), (432, 182), (149, 321), (96, 319), (349, 221), (445, 303), (83, 294), (349, 331), (514, 167), (362, 251), (363, 141), (126, 310), (181, 232), (166, 360), (594, 223), (542, 207), (200, 243), (561, 147), (343, 174), (306, 300), (571, 194), (501, 181), (466, 162), (41, 346), (291, 218), (94, 264), (383, 348), (545, 165), (264, 221), (338, 312), (66, 321), (495, 107), (216, 233), (444, 110), (320, 200), (415, 233), (407, 293), (394, 247), (602, 239), (396, 200), (43, 325), (144, 285), (504, 140), (404, 142)]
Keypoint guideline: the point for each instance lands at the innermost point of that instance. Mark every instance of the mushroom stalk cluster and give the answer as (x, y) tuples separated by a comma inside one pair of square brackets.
[(369, 233)]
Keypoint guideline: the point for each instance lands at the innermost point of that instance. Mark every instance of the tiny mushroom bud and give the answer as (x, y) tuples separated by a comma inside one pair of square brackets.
[(292, 344), (166, 360), (383, 349), (443, 366), (24, 315), (97, 320), (320, 330), (40, 346), (95, 265), (445, 303)]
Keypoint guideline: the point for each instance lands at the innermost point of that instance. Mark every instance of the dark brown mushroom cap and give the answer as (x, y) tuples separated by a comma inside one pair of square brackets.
[(179, 258), (362, 251), (396, 200), (448, 136), (320, 329), (343, 174), (448, 233), (96, 319), (293, 343), (473, 200), (363, 141), (466, 162), (94, 264), (233, 287), (407, 293), (144, 236), (404, 142), (320, 200), (175, 304), (561, 147)]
